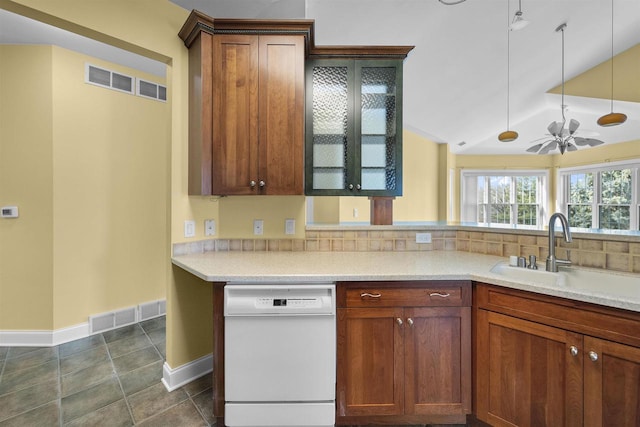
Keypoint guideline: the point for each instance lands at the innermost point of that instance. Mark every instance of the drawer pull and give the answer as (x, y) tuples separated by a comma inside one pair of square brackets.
[(368, 295), (438, 294)]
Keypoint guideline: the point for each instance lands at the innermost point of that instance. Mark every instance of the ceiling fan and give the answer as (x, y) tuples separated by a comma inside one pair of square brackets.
[(563, 138)]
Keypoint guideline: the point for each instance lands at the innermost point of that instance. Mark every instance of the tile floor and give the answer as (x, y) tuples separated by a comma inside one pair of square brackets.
[(108, 379)]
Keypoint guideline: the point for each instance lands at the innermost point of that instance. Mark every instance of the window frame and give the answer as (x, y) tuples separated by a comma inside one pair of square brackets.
[(563, 180), (469, 204)]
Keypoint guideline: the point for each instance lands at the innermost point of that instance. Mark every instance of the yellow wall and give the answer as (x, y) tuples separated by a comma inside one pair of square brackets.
[(89, 158), (109, 179), (26, 168), (419, 200)]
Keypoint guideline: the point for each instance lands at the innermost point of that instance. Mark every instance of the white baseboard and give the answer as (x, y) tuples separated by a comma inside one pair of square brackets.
[(43, 338), (144, 311), (176, 378)]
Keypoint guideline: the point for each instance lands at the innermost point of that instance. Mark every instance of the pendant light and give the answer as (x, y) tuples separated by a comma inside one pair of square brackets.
[(508, 135), (612, 119), (518, 22)]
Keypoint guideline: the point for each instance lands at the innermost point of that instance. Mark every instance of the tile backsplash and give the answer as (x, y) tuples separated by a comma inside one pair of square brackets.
[(595, 251)]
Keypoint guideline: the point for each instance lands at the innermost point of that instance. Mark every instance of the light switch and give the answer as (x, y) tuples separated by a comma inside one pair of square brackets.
[(189, 229), (9, 212)]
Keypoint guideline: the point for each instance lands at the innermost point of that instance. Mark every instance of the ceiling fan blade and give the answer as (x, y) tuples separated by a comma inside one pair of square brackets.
[(549, 147), (573, 126), (535, 148), (581, 141), (593, 142), (571, 147)]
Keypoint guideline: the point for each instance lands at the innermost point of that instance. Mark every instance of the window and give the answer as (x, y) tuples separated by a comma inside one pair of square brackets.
[(601, 196), (499, 197)]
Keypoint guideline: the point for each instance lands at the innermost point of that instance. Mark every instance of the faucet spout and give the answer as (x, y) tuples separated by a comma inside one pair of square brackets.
[(552, 261)]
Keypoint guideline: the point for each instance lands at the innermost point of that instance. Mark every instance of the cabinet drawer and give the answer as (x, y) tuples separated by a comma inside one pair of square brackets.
[(404, 297)]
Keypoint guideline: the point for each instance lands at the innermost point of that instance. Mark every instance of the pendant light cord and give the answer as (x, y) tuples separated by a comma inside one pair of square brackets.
[(562, 107), (611, 56), (508, 63)]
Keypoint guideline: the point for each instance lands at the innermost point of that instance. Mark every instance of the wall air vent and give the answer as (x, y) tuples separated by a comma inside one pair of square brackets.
[(109, 79), (151, 90)]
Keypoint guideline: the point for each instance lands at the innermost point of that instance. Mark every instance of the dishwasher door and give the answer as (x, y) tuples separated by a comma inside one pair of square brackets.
[(280, 355)]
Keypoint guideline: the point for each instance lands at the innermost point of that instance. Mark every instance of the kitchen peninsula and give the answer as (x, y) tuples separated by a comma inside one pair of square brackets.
[(407, 271)]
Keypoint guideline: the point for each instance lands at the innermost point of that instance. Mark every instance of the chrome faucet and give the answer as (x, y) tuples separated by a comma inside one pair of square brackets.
[(552, 261)]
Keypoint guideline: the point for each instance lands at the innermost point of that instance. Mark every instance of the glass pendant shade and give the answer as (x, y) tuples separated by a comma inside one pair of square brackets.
[(612, 119)]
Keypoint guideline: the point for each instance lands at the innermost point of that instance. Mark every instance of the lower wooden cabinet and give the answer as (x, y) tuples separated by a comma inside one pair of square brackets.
[(404, 352), (544, 361)]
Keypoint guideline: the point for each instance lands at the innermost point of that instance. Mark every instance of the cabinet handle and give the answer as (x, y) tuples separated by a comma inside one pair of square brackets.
[(593, 356), (410, 321), (399, 321), (252, 184), (441, 295), (573, 350), (368, 295), (261, 183)]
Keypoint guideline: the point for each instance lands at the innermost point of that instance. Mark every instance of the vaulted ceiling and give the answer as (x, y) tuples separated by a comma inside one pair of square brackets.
[(455, 79)]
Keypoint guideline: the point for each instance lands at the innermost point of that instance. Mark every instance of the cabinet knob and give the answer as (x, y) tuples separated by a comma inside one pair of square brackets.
[(358, 187), (410, 321), (573, 350), (261, 183), (399, 321), (350, 186), (593, 356), (252, 184), (368, 295)]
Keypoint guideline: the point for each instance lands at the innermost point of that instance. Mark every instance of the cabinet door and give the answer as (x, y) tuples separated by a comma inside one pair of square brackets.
[(235, 114), (370, 365), (611, 384), (438, 360), (281, 115), (329, 133), (379, 127), (528, 375)]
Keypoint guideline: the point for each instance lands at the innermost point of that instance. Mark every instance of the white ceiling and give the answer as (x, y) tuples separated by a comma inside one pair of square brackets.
[(455, 80)]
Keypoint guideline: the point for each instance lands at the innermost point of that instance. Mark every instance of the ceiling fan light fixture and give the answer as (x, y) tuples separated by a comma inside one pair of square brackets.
[(508, 136), (612, 119)]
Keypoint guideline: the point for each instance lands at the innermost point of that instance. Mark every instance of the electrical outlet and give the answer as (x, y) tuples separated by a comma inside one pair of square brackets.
[(209, 227), (258, 227), (289, 226), (423, 237), (189, 229)]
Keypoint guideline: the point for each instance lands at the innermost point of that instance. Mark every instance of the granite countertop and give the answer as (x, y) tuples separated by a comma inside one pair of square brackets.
[(308, 267)]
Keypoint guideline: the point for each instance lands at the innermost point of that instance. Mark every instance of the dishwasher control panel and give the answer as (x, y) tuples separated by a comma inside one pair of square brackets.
[(260, 300), (289, 302)]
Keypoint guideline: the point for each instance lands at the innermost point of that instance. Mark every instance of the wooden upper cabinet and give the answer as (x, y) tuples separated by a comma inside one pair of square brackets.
[(258, 114), (246, 106)]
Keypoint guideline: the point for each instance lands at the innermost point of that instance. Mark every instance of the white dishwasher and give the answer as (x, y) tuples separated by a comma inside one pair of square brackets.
[(280, 354)]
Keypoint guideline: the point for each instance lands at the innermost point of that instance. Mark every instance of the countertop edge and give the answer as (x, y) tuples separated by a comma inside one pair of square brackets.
[(183, 261)]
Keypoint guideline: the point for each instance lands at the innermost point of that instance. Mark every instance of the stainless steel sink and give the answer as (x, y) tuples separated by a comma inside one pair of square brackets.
[(519, 274), (593, 281)]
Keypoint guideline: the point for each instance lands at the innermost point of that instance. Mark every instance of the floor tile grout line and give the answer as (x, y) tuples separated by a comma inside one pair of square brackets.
[(124, 395), (59, 400)]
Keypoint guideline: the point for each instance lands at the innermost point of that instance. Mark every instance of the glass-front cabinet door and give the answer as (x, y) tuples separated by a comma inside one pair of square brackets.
[(354, 141)]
